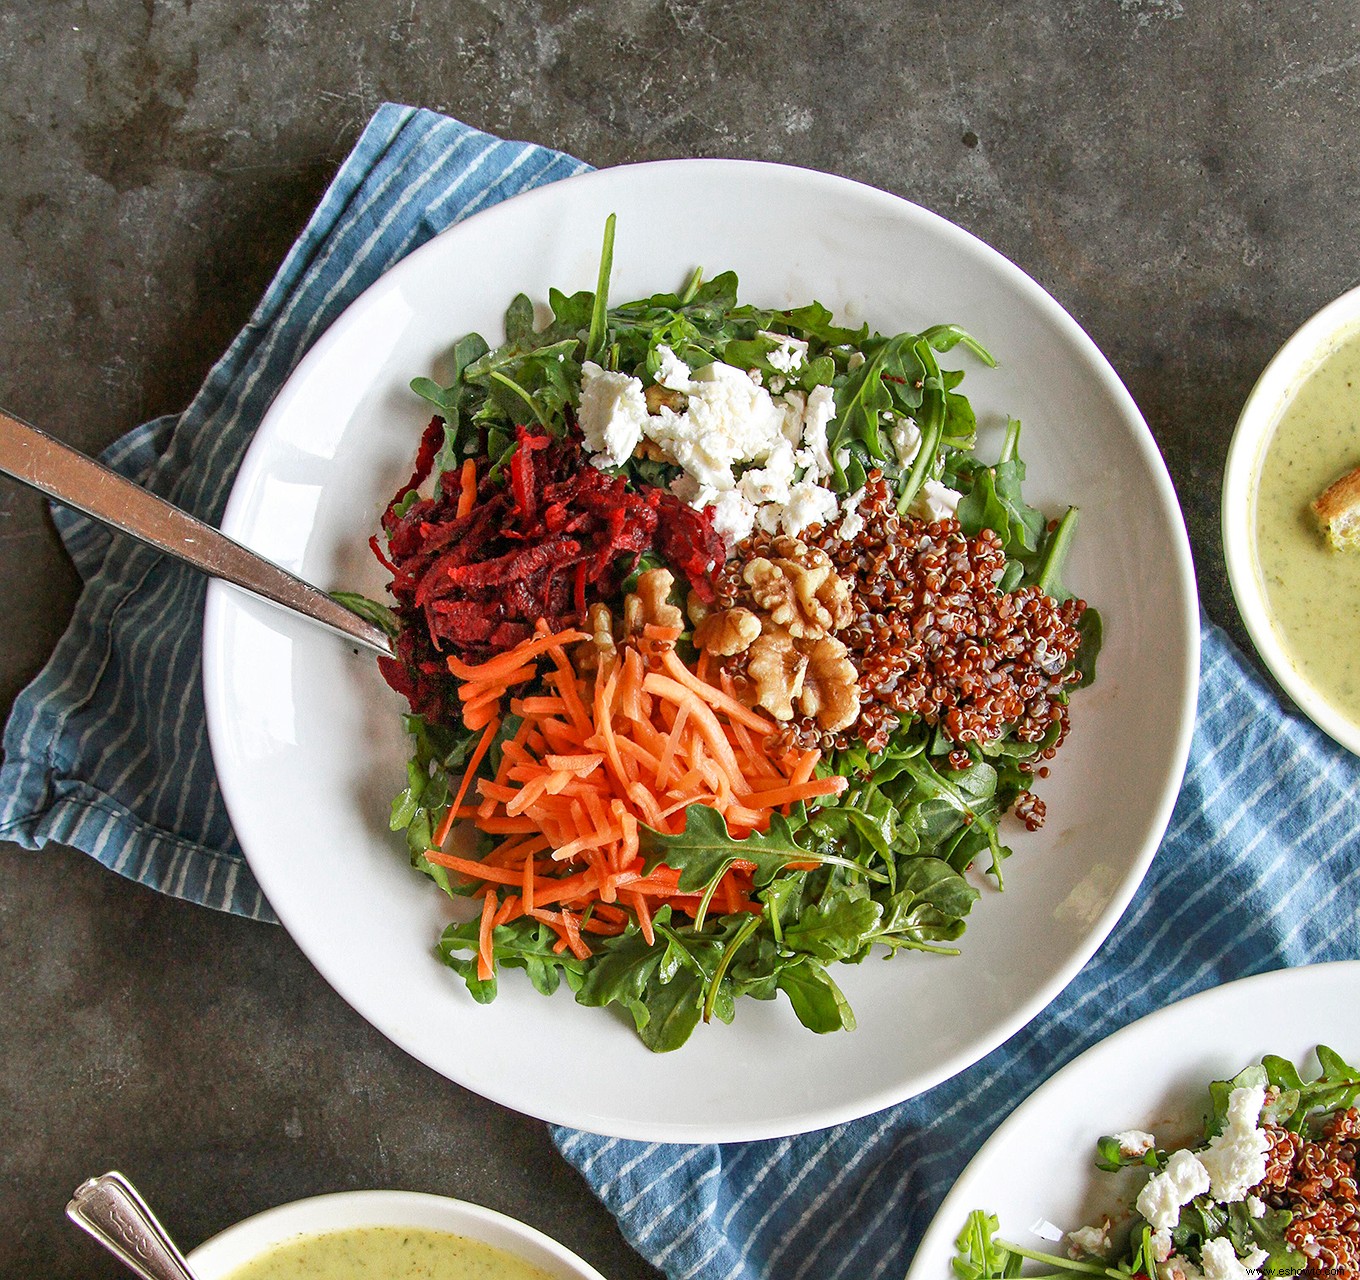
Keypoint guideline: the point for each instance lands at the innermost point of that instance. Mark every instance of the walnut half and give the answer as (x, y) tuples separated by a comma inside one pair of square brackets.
[(599, 649), (727, 632), (649, 603), (777, 669), (799, 590), (830, 693)]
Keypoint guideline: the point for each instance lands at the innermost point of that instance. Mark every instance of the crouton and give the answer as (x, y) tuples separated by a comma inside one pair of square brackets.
[(1338, 512)]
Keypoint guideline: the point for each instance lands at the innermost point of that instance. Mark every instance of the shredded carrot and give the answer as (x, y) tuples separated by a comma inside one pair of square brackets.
[(467, 495), (486, 957), (476, 691), (478, 753), (470, 867), (494, 668), (592, 762)]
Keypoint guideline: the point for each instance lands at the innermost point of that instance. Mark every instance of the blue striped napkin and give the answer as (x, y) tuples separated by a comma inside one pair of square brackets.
[(107, 751), (1260, 869)]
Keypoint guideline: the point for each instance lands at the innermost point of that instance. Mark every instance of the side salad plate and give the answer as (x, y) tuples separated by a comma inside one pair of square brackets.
[(1149, 1084), (308, 737)]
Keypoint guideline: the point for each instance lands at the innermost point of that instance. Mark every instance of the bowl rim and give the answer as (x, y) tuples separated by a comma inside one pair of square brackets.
[(246, 1240), (1300, 356)]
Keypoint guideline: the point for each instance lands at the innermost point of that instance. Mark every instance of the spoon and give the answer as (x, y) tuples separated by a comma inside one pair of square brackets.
[(75, 480), (109, 1208)]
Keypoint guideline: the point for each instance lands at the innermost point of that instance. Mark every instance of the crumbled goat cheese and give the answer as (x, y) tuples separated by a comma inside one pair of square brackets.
[(733, 516), (789, 356), (842, 458), (854, 360), (612, 414), (906, 441), (727, 420), (673, 373), (1256, 1206), (809, 504), (935, 501), (1160, 1241), (1177, 1267), (852, 522), (819, 414), (1236, 1158), (1221, 1261), (1045, 1230), (1091, 1240), (755, 460), (793, 405), (1180, 1182), (771, 482), (1134, 1143)]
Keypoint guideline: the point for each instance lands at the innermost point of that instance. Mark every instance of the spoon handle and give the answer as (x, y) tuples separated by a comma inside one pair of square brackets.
[(78, 481), (109, 1208)]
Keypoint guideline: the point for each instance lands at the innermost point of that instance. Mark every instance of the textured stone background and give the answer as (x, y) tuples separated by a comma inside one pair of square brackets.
[(1181, 176)]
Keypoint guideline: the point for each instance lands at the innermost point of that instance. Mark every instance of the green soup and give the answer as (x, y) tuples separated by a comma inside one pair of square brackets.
[(387, 1253), (1313, 590)]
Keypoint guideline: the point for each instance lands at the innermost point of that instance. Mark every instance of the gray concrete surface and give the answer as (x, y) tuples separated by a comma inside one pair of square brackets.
[(1181, 175)]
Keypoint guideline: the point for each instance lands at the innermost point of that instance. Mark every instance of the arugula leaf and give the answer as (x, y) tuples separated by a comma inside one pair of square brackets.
[(814, 321), (1336, 1087), (930, 905), (1092, 631), (979, 1255), (833, 928), (600, 309), (705, 849), (992, 498), (815, 998), (1110, 1156), (945, 337), (519, 320), (438, 751), (958, 812), (863, 397), (378, 614), (662, 987), (672, 1013), (460, 438), (525, 943)]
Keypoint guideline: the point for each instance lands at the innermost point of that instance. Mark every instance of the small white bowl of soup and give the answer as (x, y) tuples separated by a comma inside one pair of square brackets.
[(394, 1235), (1298, 593)]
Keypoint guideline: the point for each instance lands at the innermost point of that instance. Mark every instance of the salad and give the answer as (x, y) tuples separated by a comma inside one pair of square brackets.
[(725, 653), (1271, 1190)]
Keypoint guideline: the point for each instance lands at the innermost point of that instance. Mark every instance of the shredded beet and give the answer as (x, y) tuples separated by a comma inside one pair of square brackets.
[(554, 536)]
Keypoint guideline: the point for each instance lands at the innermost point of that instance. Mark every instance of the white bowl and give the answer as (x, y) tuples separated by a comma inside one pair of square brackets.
[(1276, 387), (307, 738), (318, 1215)]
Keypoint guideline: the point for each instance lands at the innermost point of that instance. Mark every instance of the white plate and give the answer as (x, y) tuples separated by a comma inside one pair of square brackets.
[(1152, 1075), (306, 736), (247, 1240)]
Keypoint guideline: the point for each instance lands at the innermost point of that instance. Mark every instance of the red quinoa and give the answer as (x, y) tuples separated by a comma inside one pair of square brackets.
[(933, 638), (1315, 1178)]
